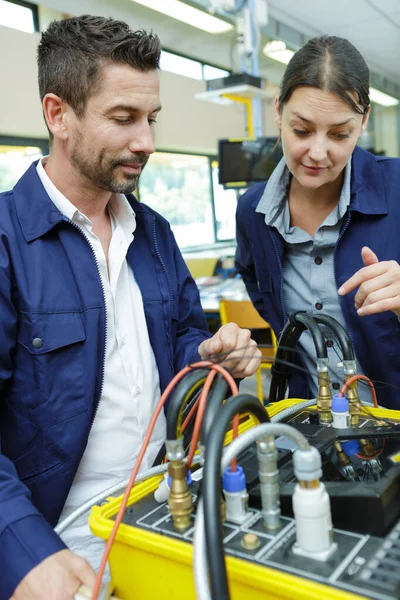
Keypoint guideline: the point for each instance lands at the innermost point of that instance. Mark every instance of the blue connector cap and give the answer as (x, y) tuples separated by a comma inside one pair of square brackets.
[(188, 479), (340, 404), (351, 447), (234, 481)]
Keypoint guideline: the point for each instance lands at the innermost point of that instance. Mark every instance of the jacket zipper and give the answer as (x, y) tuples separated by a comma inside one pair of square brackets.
[(169, 290), (285, 317), (97, 402), (345, 226)]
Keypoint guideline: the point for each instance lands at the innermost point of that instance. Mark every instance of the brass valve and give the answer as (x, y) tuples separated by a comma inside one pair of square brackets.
[(324, 398), (354, 402), (180, 499)]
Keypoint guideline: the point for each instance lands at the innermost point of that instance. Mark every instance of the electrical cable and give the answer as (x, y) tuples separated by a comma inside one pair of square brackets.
[(212, 486), (114, 490), (340, 334), (164, 396), (287, 341), (291, 410), (214, 403), (310, 322), (200, 414), (177, 401), (355, 378), (200, 543)]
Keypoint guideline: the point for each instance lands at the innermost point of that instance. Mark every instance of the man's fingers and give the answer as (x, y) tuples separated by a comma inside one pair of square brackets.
[(84, 572)]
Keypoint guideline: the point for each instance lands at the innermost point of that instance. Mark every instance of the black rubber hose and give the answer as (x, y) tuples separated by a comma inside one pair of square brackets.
[(288, 356), (339, 333), (176, 403), (279, 370), (216, 397), (212, 487), (312, 326)]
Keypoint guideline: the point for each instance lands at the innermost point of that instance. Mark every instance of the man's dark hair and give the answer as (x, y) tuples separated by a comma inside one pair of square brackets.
[(73, 51), (332, 64)]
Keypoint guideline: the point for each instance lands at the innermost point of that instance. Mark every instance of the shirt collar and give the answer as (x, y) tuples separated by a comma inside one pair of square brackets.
[(273, 201), (118, 204)]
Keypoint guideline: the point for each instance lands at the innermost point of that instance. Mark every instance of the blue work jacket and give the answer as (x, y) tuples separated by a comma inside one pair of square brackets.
[(373, 220), (52, 350)]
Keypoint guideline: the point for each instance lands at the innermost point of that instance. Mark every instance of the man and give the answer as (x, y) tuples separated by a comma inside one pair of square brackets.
[(97, 308)]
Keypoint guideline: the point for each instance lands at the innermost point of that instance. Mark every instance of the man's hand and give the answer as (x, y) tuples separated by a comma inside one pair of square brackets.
[(378, 285), (58, 577), (234, 349)]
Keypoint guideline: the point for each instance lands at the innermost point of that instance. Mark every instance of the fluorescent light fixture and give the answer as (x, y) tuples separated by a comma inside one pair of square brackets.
[(188, 14), (381, 98), (277, 51)]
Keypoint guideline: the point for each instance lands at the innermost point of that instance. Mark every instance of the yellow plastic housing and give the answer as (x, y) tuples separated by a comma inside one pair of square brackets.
[(148, 566)]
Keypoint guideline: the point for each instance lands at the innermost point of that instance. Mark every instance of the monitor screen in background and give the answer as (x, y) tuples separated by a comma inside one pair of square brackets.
[(247, 160)]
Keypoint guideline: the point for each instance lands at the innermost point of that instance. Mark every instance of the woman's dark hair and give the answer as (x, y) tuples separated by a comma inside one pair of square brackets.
[(73, 51), (332, 64)]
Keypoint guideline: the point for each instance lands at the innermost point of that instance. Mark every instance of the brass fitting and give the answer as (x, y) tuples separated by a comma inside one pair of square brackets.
[(344, 459), (354, 402), (366, 447), (309, 485), (180, 499), (324, 398)]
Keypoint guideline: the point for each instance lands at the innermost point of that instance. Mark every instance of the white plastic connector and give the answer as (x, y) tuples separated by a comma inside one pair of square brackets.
[(307, 464), (162, 492), (236, 496), (340, 412), (314, 532)]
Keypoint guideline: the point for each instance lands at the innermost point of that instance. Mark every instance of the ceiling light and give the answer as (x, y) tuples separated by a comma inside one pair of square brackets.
[(277, 51), (188, 14), (381, 98)]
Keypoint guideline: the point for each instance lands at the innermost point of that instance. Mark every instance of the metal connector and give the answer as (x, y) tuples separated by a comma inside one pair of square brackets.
[(324, 398), (175, 449), (354, 402), (180, 499), (269, 482)]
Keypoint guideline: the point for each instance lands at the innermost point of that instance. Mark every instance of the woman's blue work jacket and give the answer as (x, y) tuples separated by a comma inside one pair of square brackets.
[(373, 220)]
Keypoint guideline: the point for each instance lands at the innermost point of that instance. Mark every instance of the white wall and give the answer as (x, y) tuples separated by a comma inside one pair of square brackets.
[(185, 123)]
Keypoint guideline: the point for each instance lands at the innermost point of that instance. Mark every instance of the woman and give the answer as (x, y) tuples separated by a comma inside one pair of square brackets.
[(322, 233)]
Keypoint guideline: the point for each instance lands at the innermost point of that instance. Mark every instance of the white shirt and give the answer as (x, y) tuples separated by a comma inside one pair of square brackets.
[(131, 387)]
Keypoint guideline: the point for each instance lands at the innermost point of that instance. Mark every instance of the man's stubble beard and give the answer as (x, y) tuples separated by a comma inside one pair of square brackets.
[(104, 178)]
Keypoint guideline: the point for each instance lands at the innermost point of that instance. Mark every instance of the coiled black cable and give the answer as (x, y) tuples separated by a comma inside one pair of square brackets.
[(339, 333), (212, 487), (215, 399), (279, 370), (176, 403), (310, 322)]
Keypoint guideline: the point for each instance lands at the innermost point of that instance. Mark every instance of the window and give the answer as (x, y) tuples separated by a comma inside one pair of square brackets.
[(189, 67), (225, 202), (19, 15), (181, 65), (184, 189), (16, 157)]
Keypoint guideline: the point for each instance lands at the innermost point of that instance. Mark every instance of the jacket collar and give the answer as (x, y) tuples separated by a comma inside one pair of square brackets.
[(367, 184), (36, 212)]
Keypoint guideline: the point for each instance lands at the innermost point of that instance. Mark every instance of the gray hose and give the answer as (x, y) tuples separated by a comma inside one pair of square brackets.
[(233, 450), (288, 412)]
